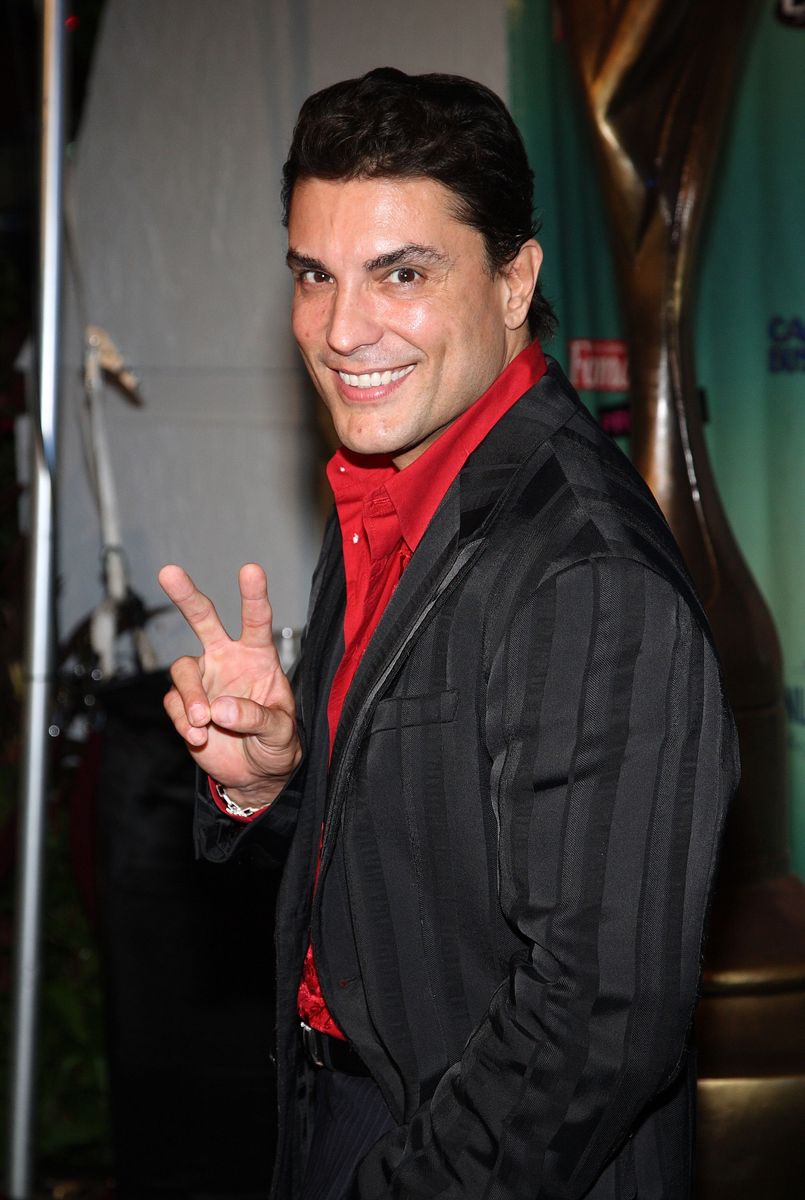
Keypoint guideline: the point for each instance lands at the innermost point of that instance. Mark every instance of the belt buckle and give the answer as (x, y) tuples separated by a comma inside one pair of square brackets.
[(310, 1044)]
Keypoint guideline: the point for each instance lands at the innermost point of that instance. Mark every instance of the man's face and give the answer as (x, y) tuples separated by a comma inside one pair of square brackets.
[(399, 321)]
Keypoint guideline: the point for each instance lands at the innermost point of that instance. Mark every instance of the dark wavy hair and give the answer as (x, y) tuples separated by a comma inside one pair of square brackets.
[(442, 127)]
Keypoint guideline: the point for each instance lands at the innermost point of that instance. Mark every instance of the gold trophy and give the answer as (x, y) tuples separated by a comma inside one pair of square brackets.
[(657, 77)]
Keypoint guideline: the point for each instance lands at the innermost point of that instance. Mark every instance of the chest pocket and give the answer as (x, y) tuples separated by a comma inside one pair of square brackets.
[(399, 712)]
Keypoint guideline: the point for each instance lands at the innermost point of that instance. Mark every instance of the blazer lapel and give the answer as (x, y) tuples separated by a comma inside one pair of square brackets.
[(323, 639)]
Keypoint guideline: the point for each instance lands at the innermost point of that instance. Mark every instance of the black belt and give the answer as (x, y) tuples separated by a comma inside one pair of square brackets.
[(331, 1052)]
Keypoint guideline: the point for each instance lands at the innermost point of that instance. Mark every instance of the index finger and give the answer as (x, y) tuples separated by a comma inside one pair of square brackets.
[(196, 608)]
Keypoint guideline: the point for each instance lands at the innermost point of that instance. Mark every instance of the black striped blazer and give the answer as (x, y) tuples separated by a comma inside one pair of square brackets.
[(522, 817)]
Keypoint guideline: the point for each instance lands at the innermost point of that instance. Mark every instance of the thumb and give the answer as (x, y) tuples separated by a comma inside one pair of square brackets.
[(272, 726)]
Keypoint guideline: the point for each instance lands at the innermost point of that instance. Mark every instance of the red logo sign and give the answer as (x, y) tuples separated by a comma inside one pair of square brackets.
[(598, 364)]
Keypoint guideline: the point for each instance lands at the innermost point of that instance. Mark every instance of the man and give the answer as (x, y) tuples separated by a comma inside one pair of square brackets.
[(500, 783)]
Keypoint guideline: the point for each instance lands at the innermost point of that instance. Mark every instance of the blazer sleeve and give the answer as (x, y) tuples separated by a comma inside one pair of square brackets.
[(264, 840), (612, 755)]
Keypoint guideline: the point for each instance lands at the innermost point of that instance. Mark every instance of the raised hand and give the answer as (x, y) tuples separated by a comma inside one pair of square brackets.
[(233, 704)]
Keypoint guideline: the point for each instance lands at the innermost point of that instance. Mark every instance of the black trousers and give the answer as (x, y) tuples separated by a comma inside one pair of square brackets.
[(350, 1115)]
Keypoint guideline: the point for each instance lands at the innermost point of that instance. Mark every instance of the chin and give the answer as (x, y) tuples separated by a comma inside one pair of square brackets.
[(369, 449), (369, 443)]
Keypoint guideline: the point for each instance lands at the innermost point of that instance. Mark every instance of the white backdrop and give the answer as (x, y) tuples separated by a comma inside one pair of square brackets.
[(174, 190)]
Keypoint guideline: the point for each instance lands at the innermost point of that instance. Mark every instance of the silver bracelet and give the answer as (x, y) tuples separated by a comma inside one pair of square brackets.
[(231, 807)]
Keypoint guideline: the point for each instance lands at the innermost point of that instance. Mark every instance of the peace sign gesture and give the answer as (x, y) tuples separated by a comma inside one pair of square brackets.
[(233, 704)]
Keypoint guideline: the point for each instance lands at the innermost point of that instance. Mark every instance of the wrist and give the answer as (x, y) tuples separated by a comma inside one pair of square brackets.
[(244, 802)]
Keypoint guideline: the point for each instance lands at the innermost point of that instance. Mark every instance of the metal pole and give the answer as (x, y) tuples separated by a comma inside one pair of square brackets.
[(39, 645)]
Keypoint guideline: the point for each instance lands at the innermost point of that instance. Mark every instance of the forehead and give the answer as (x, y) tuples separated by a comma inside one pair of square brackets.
[(362, 218)]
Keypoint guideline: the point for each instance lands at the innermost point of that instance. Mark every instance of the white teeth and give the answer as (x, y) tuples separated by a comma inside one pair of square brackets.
[(376, 378)]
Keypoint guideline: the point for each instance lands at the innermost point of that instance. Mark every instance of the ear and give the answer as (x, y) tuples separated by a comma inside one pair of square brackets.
[(520, 277)]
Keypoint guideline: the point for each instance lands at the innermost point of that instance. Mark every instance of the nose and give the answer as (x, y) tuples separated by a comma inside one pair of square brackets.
[(353, 322)]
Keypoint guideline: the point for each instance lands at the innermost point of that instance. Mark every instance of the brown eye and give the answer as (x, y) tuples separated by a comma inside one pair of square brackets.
[(404, 275)]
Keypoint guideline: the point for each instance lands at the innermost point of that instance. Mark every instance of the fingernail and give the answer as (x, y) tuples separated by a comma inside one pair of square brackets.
[(197, 714)]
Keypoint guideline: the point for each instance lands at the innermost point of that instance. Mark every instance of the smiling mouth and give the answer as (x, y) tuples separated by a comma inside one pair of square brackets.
[(373, 379)]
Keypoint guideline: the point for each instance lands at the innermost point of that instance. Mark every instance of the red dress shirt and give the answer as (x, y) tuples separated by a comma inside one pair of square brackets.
[(383, 513)]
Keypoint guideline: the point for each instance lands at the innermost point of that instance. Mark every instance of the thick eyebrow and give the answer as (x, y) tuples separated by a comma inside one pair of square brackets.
[(303, 262), (412, 250)]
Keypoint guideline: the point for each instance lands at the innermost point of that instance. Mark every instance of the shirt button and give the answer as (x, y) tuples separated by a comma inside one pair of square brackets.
[(355, 539)]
